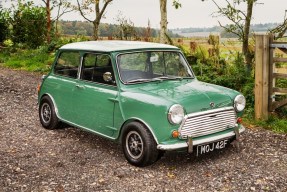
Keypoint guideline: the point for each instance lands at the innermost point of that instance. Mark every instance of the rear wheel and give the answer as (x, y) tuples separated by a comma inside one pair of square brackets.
[(139, 145), (47, 114)]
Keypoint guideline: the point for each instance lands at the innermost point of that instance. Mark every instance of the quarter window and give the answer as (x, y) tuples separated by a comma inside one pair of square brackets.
[(68, 64)]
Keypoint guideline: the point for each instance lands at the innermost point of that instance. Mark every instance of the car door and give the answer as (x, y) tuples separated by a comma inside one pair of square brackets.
[(95, 97), (63, 82)]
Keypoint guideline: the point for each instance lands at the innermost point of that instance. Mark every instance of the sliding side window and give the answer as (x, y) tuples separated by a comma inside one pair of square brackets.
[(68, 64)]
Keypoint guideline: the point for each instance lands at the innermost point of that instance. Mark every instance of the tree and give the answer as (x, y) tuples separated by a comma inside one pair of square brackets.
[(48, 19), (63, 6), (127, 29), (99, 12), (281, 29), (241, 21), (163, 37), (163, 22), (28, 23), (147, 33)]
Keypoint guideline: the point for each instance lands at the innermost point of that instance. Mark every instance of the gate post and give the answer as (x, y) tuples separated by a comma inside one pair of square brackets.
[(261, 76)]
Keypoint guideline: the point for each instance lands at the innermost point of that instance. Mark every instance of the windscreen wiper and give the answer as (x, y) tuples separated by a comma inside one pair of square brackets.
[(159, 78), (167, 78), (138, 81)]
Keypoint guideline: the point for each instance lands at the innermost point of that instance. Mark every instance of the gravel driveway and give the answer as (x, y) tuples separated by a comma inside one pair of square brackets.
[(69, 159)]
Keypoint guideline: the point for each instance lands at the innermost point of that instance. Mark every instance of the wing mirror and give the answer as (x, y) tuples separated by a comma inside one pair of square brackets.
[(107, 76)]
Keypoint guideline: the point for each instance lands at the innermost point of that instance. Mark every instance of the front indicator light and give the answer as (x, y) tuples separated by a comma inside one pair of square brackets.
[(175, 134), (239, 120)]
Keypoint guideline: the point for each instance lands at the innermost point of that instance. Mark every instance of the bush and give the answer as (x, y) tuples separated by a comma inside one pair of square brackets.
[(29, 25), (4, 24), (8, 43), (231, 73)]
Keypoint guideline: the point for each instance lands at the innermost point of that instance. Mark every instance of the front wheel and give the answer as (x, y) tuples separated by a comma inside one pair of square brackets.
[(139, 145), (47, 114)]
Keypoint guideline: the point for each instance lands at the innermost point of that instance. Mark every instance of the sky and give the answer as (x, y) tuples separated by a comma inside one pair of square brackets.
[(193, 13)]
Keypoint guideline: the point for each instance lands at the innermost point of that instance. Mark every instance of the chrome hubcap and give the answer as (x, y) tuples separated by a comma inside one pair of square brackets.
[(46, 113), (134, 144)]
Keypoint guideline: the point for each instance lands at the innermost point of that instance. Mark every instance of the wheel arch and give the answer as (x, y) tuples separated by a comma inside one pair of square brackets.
[(53, 101), (134, 119)]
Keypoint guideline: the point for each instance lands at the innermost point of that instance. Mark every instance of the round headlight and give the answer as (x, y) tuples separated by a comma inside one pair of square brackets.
[(175, 114), (239, 103)]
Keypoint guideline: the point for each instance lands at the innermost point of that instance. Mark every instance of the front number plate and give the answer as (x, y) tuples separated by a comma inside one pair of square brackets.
[(202, 149)]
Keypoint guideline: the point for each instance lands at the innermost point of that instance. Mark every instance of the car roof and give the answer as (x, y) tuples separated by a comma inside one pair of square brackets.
[(114, 45)]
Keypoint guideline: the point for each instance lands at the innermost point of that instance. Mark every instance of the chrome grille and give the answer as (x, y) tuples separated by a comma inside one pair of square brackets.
[(207, 122)]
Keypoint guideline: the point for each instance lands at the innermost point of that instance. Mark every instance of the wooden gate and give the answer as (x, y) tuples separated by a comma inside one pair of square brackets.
[(270, 70)]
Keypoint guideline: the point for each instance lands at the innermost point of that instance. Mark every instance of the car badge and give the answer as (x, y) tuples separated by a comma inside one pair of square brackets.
[(212, 105)]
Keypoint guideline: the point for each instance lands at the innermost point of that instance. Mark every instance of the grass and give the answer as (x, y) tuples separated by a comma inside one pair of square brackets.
[(36, 60), (276, 122), (3, 57)]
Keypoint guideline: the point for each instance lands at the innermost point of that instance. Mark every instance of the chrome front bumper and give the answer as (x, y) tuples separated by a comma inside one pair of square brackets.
[(169, 147)]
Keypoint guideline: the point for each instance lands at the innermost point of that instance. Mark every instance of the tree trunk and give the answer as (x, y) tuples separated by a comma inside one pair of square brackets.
[(163, 21), (96, 29), (48, 11), (245, 48), (99, 14)]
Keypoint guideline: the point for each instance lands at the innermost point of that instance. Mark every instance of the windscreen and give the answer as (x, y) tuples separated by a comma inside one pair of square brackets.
[(152, 65)]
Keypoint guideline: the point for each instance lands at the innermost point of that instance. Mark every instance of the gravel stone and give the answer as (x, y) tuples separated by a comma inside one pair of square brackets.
[(69, 159)]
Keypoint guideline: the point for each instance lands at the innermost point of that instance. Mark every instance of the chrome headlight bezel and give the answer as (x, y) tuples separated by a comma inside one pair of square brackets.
[(239, 103), (175, 114)]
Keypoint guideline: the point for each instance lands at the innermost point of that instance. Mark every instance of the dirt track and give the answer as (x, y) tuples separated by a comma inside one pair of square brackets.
[(35, 159)]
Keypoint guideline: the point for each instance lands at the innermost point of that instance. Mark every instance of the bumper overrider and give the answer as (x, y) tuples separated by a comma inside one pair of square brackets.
[(191, 142)]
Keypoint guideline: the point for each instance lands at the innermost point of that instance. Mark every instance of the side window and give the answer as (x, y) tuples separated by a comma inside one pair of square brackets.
[(68, 64), (94, 68)]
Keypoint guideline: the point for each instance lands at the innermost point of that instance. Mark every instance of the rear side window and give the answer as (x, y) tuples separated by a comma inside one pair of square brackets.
[(68, 64)]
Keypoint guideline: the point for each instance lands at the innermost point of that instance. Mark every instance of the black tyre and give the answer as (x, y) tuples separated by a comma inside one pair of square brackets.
[(139, 146), (47, 114), (160, 154)]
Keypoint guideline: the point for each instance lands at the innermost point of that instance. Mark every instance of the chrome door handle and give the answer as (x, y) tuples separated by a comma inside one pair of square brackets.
[(80, 86)]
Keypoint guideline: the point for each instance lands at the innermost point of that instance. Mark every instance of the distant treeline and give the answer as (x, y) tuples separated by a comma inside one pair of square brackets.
[(105, 30), (254, 28)]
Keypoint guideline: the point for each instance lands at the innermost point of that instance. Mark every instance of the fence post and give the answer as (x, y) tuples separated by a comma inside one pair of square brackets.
[(261, 76)]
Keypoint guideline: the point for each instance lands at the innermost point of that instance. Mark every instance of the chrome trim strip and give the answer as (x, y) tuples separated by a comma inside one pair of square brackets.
[(90, 130), (209, 111), (175, 146), (171, 147)]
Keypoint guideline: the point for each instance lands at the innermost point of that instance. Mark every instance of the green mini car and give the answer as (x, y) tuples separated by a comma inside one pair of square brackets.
[(142, 95)]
